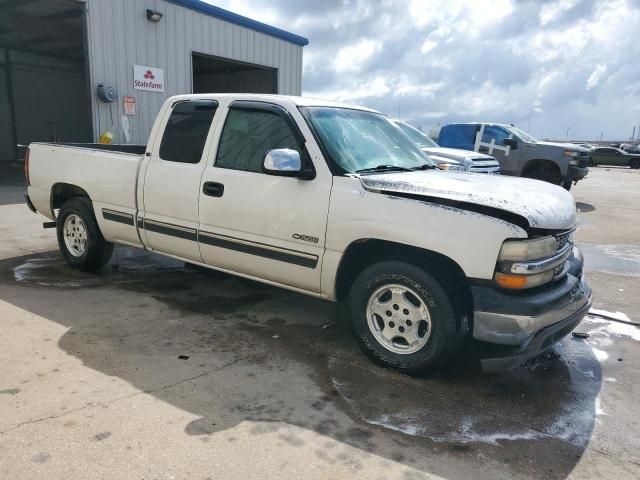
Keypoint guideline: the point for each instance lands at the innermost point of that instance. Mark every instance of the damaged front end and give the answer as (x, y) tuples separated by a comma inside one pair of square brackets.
[(526, 318)]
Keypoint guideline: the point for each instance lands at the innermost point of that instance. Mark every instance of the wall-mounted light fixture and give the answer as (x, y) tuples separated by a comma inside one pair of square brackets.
[(153, 15)]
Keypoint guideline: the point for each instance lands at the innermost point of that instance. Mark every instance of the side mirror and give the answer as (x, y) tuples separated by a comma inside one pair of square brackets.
[(510, 142), (285, 162)]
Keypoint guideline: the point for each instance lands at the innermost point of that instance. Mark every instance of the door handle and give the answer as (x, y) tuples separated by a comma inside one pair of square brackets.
[(213, 189)]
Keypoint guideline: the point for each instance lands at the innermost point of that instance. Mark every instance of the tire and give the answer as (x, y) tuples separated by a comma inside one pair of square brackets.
[(443, 330), (547, 173), (84, 247), (592, 163), (567, 184), (634, 163)]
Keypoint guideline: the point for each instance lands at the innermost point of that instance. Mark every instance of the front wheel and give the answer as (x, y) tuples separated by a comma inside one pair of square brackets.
[(547, 172), (404, 318), (79, 238)]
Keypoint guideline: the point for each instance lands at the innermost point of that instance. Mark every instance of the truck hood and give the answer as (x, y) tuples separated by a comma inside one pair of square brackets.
[(564, 146), (455, 153), (541, 204)]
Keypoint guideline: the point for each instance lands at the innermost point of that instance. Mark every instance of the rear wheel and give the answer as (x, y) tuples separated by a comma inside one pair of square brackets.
[(634, 163), (404, 318), (79, 238), (547, 172)]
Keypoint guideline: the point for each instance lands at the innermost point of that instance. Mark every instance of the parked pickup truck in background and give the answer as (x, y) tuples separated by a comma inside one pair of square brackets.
[(519, 153), (335, 202), (451, 159)]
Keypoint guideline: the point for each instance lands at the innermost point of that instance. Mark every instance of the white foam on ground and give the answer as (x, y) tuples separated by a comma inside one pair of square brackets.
[(463, 434), (616, 315)]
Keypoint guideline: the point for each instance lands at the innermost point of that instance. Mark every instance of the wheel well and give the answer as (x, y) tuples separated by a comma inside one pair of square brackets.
[(61, 192), (532, 165), (362, 253)]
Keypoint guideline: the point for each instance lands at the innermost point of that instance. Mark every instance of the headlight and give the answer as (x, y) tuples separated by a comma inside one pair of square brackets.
[(450, 167), (575, 161), (523, 250), (570, 153)]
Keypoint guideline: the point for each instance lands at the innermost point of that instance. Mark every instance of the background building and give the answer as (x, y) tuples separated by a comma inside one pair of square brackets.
[(55, 53)]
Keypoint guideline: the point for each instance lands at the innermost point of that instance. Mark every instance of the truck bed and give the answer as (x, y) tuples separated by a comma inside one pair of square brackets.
[(107, 173)]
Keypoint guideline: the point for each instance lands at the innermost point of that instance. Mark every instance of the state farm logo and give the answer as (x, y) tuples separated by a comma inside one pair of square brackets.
[(146, 77)]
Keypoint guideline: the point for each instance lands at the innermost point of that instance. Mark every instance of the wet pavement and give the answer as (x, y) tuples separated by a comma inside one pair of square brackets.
[(157, 369)]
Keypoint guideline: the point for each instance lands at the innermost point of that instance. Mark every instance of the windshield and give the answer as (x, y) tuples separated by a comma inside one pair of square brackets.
[(522, 135), (416, 135), (357, 140)]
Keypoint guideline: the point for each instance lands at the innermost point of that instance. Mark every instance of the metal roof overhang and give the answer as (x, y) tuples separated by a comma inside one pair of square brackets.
[(240, 20)]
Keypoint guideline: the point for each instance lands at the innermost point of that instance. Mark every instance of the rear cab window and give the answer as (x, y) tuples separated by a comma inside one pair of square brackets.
[(458, 136), (186, 131)]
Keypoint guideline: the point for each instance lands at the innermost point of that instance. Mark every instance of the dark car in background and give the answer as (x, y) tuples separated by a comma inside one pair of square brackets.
[(613, 156)]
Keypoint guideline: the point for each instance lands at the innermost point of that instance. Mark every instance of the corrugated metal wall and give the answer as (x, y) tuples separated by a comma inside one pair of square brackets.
[(120, 36)]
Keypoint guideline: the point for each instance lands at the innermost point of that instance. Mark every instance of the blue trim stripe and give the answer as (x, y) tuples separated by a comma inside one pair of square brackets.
[(231, 17)]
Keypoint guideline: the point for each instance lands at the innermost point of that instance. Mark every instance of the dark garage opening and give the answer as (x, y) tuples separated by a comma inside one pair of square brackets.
[(44, 93), (220, 75)]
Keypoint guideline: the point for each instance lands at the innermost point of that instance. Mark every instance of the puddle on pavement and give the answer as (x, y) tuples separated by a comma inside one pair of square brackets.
[(127, 264), (619, 259), (556, 397)]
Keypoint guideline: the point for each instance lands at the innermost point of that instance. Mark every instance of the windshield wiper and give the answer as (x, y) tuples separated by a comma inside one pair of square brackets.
[(426, 166), (384, 168)]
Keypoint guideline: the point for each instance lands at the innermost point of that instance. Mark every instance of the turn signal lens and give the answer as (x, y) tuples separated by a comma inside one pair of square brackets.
[(519, 282), (511, 281)]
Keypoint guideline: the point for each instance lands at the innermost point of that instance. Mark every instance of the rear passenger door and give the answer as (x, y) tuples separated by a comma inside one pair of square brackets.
[(257, 224), (168, 221)]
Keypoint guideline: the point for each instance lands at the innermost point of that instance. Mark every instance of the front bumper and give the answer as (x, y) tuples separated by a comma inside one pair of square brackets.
[(575, 173), (527, 323)]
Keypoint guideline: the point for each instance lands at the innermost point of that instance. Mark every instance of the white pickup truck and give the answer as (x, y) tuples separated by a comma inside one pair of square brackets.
[(332, 201)]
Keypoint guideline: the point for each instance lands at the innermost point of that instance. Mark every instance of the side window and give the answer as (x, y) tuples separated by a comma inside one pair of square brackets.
[(186, 131), (492, 132), (249, 134), (458, 136)]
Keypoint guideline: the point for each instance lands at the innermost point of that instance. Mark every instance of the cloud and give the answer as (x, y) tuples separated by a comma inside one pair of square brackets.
[(559, 63), (596, 76)]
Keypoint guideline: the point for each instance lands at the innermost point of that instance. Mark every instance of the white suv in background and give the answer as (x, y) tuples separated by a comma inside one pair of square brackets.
[(452, 159)]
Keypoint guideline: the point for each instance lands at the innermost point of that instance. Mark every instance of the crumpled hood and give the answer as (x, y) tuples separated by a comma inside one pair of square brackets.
[(455, 153), (543, 205)]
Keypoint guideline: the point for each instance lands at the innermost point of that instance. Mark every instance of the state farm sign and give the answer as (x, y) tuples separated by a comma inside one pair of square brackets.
[(148, 78)]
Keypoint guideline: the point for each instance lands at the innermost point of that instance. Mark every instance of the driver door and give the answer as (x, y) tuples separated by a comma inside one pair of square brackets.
[(258, 224)]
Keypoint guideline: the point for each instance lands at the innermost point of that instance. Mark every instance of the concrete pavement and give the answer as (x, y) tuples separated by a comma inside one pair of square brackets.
[(155, 370)]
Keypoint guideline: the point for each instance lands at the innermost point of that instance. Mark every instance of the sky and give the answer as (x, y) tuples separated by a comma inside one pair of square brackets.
[(554, 68)]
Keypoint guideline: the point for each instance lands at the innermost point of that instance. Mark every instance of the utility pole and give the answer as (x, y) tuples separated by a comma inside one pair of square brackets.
[(529, 126), (568, 128)]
